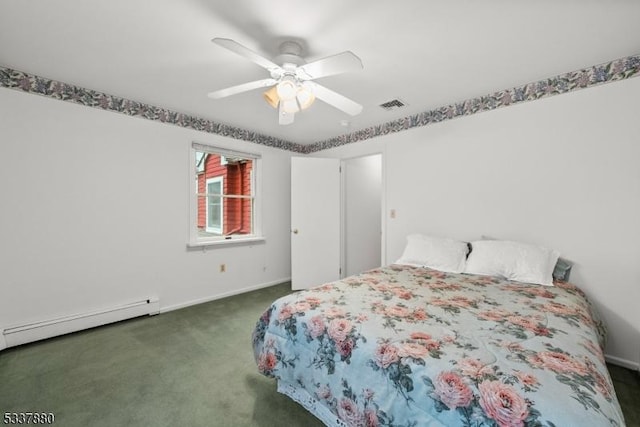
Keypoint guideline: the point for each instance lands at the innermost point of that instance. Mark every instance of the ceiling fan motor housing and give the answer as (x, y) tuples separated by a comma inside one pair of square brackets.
[(290, 52)]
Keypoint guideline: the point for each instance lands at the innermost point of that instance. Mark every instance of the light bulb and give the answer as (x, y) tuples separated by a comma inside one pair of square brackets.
[(287, 88)]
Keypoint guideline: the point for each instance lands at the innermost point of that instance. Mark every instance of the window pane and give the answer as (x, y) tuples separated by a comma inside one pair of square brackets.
[(200, 158), (225, 194), (238, 215), (238, 175)]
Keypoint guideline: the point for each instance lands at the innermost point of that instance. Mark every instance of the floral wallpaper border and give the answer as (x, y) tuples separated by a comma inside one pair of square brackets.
[(618, 69), (15, 79)]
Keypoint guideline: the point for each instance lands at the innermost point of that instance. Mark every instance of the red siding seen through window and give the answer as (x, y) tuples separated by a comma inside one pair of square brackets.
[(236, 178)]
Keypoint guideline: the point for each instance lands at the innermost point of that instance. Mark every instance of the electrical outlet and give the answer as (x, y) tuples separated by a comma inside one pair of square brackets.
[(223, 268)]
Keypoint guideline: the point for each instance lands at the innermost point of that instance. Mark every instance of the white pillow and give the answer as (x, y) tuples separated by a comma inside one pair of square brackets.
[(439, 253), (516, 261)]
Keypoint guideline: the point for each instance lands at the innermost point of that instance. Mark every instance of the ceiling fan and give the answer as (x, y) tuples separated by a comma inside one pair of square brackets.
[(291, 88)]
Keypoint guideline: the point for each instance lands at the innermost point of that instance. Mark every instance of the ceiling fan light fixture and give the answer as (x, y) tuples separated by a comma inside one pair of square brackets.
[(305, 97), (302, 99), (287, 88), (271, 96)]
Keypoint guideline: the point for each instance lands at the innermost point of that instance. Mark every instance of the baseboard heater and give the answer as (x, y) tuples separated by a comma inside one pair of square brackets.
[(63, 325)]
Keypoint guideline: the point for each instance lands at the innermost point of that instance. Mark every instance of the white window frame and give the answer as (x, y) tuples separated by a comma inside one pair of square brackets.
[(195, 240)]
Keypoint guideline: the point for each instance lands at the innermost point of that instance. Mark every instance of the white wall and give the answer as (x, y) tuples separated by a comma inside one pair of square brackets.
[(562, 172), (95, 210)]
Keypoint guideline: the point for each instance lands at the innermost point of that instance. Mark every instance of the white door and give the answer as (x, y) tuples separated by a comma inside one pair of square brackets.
[(315, 221)]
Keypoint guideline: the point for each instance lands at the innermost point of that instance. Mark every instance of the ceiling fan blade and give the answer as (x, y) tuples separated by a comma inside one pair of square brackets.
[(285, 118), (337, 64), (241, 88), (335, 99), (236, 47)]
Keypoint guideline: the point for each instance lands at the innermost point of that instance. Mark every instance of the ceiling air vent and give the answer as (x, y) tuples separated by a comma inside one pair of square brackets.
[(394, 104)]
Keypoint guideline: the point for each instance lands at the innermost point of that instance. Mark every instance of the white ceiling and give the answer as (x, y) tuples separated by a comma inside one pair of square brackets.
[(429, 53)]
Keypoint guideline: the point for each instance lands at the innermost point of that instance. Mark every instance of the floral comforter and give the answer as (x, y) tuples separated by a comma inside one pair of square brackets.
[(406, 346)]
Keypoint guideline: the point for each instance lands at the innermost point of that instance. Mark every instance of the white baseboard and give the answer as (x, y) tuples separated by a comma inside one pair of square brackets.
[(634, 366), (71, 324), (223, 295), (26, 333)]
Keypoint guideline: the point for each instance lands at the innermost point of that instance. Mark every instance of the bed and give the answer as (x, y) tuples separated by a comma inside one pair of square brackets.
[(408, 345)]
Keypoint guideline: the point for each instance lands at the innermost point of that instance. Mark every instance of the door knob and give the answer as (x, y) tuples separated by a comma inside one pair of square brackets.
[(295, 231)]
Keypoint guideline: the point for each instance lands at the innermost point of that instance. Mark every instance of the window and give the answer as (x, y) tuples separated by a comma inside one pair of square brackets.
[(224, 202)]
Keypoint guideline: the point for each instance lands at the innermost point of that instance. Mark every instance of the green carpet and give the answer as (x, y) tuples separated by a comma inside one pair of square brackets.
[(189, 367)]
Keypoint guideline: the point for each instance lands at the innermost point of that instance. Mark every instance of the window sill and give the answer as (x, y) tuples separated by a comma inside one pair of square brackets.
[(226, 242)]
